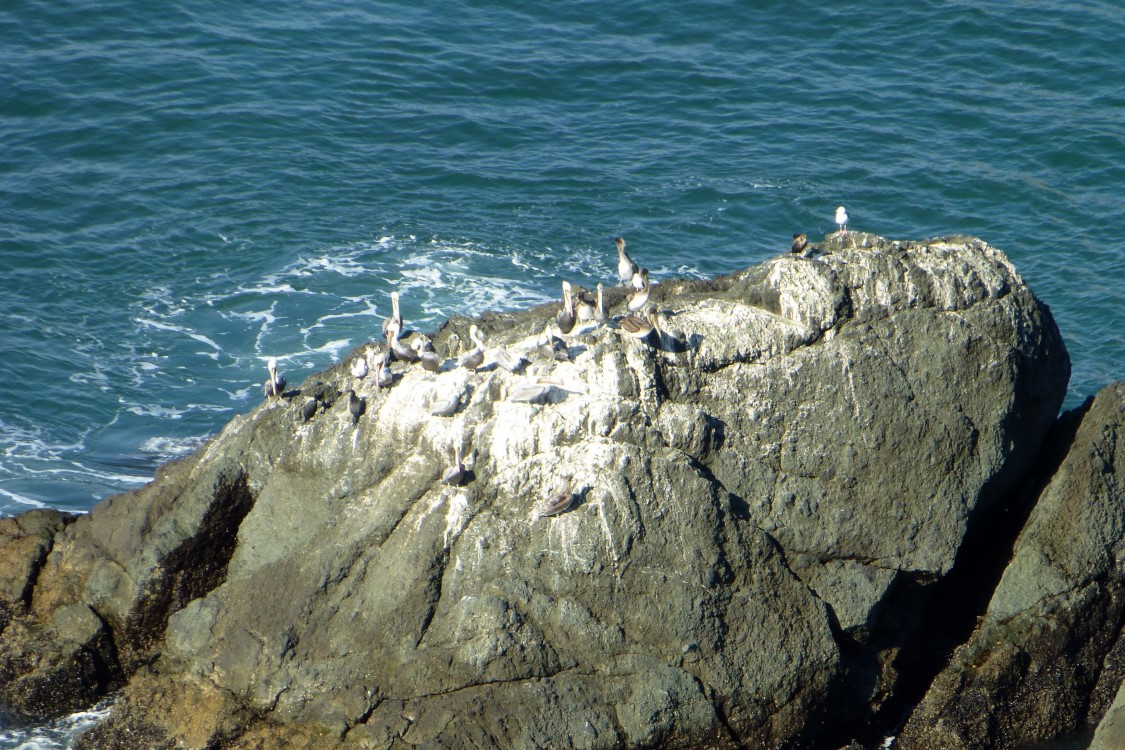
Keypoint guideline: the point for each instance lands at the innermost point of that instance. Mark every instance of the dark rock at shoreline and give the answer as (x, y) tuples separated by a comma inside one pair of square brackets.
[(762, 501)]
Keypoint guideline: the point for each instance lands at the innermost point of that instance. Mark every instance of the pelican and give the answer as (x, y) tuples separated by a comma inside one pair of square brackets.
[(551, 346), (395, 319), (584, 310), (639, 298), (625, 265), (276, 383), (800, 242), (401, 350), (509, 361), (359, 367), (473, 358), (356, 406), (529, 393), (565, 319), (842, 218), (454, 474), (600, 313), (559, 502), (640, 328), (431, 360), (446, 407), (384, 378)]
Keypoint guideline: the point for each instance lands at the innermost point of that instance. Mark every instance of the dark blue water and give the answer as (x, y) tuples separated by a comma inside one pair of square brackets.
[(189, 189)]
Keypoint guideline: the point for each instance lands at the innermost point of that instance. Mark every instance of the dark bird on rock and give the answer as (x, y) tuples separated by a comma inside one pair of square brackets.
[(308, 410), (455, 474), (566, 317), (800, 242), (356, 406), (559, 501), (626, 268), (275, 384)]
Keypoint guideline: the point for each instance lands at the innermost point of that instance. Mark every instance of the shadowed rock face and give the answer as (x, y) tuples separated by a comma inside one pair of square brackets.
[(805, 436), (1046, 657)]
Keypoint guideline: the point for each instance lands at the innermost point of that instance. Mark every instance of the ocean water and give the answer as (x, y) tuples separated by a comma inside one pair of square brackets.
[(189, 189)]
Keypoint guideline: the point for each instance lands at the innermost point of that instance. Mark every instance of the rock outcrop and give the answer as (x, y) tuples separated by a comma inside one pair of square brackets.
[(1046, 657), (759, 498)]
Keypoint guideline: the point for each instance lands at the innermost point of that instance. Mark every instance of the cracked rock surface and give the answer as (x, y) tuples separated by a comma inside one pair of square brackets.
[(744, 494)]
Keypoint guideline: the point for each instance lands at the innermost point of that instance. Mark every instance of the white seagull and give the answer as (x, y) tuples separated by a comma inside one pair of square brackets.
[(842, 218)]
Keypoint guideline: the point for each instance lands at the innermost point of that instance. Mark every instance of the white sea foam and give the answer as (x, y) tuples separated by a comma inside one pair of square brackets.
[(56, 735), (21, 499)]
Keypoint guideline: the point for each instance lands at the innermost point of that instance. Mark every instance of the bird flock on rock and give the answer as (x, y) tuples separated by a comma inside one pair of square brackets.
[(578, 314)]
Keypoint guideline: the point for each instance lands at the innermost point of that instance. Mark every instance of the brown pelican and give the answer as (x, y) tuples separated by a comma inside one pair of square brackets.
[(401, 351), (842, 218), (600, 313), (356, 406), (509, 361), (560, 501), (639, 298), (454, 474), (640, 328), (446, 407), (565, 319), (276, 383), (530, 393), (800, 242), (625, 265), (431, 360), (551, 346), (384, 378), (473, 358), (584, 309), (395, 319)]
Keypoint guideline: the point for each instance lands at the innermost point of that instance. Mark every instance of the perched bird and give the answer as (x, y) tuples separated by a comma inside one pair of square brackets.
[(473, 358), (446, 406), (530, 393), (584, 308), (401, 351), (551, 346), (308, 410), (640, 328), (800, 242), (566, 317), (600, 313), (625, 265), (395, 319), (509, 361), (275, 384), (356, 406), (384, 378), (560, 501), (455, 474), (431, 360), (842, 219), (359, 367), (639, 298)]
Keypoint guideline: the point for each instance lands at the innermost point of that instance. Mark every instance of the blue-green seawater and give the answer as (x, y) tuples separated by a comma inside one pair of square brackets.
[(189, 188)]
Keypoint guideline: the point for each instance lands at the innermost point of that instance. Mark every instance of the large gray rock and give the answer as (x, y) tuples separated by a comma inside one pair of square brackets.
[(1031, 671), (805, 434), (1110, 734)]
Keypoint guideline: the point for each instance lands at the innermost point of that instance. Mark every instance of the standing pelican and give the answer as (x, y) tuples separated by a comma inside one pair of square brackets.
[(600, 313), (800, 242), (356, 406), (625, 265), (509, 361), (384, 378), (454, 474), (566, 318), (473, 358), (551, 346), (842, 218), (401, 350), (639, 299), (276, 383), (395, 319)]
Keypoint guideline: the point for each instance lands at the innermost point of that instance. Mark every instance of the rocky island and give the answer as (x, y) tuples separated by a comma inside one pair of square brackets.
[(829, 500)]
